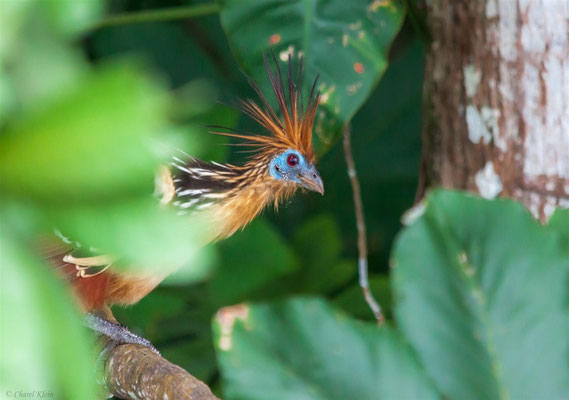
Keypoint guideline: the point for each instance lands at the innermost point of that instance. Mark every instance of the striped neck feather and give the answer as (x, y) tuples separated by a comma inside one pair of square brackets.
[(231, 196), (199, 185)]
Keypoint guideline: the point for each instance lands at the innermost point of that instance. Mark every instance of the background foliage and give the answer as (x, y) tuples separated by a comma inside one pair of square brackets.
[(90, 105)]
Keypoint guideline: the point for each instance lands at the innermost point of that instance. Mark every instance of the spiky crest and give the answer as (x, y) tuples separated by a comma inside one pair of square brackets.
[(294, 130)]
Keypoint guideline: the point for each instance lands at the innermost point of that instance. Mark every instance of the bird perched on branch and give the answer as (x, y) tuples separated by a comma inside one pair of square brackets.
[(228, 196)]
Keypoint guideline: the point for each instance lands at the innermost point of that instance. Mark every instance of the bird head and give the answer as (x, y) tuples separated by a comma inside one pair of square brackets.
[(291, 166), (284, 155)]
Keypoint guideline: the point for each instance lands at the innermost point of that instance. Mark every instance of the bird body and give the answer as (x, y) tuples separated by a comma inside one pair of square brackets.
[(226, 196)]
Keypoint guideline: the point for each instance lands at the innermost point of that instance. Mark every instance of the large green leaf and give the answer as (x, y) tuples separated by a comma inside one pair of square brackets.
[(40, 331), (345, 42), (29, 33), (61, 16), (12, 16), (303, 349), (481, 293), (92, 141), (70, 17), (138, 232)]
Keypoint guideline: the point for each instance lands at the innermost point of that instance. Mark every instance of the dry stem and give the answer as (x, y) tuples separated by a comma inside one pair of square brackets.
[(362, 245)]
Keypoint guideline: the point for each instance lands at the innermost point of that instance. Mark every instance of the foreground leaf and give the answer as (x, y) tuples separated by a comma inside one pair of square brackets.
[(481, 291), (92, 142), (41, 333), (345, 42), (303, 349), (70, 17), (139, 232)]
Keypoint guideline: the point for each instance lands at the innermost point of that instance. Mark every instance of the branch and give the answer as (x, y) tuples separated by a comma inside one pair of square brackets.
[(164, 14), (133, 371), (362, 245)]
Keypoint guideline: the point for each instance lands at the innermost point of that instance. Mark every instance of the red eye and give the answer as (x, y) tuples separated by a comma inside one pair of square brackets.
[(292, 160)]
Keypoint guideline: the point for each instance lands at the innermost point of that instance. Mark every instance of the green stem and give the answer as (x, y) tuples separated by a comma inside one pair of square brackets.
[(166, 14)]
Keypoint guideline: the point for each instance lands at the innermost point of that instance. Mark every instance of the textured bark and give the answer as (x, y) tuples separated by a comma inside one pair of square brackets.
[(136, 372), (133, 371), (496, 100)]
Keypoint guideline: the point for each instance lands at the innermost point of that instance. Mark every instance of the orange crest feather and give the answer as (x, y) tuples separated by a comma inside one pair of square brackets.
[(294, 130)]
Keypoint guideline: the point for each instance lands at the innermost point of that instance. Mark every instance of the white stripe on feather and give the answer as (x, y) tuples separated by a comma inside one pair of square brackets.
[(182, 168), (193, 192), (189, 203)]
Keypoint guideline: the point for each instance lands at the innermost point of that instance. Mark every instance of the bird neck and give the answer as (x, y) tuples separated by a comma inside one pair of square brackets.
[(236, 211)]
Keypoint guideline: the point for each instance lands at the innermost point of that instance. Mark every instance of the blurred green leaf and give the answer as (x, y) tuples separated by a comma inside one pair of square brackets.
[(318, 245), (139, 232), (481, 294), (346, 43), (5, 98), (41, 333), (12, 16), (251, 258), (318, 240), (198, 266), (38, 51), (327, 278), (207, 145), (316, 267), (303, 349), (52, 154), (69, 17), (167, 47), (195, 98)]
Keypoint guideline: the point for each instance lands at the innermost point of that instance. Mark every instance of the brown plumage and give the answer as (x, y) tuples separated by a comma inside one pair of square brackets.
[(228, 196)]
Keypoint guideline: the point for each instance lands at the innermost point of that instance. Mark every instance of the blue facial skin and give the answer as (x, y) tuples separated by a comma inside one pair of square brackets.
[(302, 173), (279, 168)]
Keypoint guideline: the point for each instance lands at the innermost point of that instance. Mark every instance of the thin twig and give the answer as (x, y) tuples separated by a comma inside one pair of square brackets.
[(362, 245), (164, 14)]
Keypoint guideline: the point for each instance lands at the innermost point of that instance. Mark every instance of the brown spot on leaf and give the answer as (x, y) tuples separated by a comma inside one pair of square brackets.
[(376, 4), (274, 39), (359, 68), (226, 318)]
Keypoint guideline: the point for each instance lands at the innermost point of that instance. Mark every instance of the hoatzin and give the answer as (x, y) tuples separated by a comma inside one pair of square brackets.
[(228, 196)]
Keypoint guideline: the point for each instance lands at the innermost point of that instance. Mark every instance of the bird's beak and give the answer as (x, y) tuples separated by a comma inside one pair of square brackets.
[(311, 180)]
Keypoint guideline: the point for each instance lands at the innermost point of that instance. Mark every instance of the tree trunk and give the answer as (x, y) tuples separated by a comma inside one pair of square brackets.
[(496, 100)]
